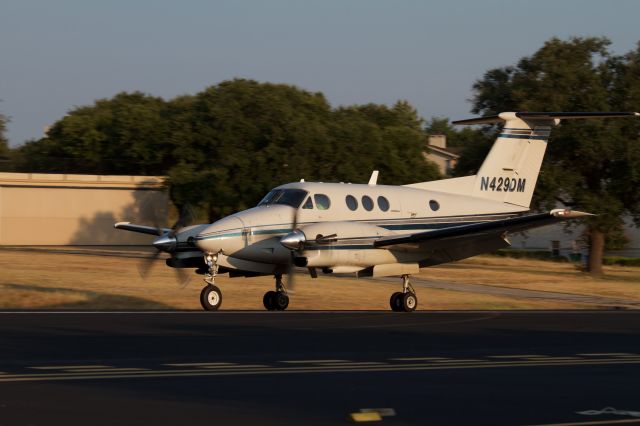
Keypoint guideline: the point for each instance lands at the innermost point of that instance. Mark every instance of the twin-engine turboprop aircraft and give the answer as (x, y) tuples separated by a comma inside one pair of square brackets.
[(376, 230)]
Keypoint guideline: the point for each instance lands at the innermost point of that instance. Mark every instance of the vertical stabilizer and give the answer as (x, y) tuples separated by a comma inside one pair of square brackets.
[(510, 171)]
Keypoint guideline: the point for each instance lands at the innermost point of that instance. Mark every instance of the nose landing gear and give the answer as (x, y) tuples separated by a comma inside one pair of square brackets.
[(405, 301), (211, 296), (276, 300)]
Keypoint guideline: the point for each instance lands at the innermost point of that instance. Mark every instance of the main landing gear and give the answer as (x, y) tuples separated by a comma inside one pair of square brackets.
[(211, 296), (405, 301), (276, 300)]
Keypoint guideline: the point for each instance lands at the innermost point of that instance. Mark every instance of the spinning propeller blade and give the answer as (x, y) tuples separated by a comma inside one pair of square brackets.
[(290, 266), (168, 242)]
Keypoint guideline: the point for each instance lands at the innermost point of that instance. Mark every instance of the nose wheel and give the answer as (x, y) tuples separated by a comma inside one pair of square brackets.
[(405, 301), (276, 300), (211, 296)]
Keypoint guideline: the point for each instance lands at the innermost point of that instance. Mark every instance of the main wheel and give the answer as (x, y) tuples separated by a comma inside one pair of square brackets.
[(210, 298), (395, 301), (268, 300), (280, 301), (409, 302)]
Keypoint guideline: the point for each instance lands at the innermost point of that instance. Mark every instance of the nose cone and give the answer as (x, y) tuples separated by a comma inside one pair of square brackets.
[(293, 240), (223, 236), (165, 243)]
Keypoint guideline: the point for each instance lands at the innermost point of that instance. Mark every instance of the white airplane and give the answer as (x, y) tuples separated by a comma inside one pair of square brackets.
[(376, 230)]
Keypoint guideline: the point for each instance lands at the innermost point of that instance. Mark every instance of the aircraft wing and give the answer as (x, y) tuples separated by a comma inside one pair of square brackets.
[(460, 242), (128, 226)]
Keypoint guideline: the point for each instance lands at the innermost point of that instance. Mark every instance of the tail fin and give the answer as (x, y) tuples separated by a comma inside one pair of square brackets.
[(510, 171)]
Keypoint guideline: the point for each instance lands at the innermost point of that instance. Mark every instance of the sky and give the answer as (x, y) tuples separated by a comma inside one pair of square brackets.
[(57, 55)]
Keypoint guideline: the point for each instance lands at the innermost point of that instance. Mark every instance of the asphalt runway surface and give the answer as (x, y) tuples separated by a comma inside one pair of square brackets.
[(317, 368)]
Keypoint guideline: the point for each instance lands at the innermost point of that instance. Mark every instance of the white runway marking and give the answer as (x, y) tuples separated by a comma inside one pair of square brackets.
[(515, 356), (607, 354), (68, 367), (199, 364), (196, 369), (424, 358)]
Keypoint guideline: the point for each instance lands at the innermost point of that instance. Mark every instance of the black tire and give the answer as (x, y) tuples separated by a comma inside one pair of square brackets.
[(395, 302), (267, 300), (280, 301), (210, 298), (409, 302)]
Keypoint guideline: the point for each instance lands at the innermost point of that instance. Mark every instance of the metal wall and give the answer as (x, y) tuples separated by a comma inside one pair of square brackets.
[(57, 209)]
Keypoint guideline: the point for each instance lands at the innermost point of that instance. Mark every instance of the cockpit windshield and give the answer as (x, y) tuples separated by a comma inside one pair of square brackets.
[(290, 197)]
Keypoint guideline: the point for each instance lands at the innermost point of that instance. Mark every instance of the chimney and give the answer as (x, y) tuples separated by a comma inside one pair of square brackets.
[(438, 141)]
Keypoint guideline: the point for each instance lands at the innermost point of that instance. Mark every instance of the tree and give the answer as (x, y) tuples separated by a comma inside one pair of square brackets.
[(126, 134), (225, 147), (4, 143), (236, 140), (590, 165), (241, 137)]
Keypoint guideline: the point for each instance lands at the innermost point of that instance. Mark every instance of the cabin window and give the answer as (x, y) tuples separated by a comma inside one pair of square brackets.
[(352, 203), (322, 201), (434, 205), (290, 197), (383, 203), (308, 204), (367, 203)]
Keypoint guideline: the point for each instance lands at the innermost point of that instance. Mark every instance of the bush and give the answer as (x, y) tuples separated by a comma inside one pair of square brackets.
[(621, 261), (530, 254)]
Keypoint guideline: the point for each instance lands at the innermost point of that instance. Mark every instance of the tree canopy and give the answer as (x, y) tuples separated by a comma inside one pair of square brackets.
[(4, 143), (225, 147), (591, 165)]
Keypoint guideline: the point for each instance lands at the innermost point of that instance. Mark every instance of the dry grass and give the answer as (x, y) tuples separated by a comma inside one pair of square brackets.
[(617, 281), (73, 281)]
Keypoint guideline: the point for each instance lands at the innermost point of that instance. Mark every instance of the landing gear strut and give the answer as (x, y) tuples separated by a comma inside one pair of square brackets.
[(211, 296), (276, 300), (405, 301)]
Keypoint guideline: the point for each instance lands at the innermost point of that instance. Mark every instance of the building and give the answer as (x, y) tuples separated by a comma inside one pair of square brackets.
[(438, 153), (565, 240), (66, 209)]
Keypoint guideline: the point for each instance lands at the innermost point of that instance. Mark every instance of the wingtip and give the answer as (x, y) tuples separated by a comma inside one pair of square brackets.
[(569, 214), (116, 225)]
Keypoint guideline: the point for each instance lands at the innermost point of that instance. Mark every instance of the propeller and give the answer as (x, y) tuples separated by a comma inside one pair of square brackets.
[(167, 242), (297, 235), (295, 241)]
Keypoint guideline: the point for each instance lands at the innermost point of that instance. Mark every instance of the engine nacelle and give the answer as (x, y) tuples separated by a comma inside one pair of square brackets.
[(342, 244)]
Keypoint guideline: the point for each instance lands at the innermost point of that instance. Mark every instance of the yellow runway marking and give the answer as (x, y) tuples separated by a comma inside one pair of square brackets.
[(364, 417)]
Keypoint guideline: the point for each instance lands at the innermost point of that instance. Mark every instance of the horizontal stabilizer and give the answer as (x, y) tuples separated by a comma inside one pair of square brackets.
[(504, 116)]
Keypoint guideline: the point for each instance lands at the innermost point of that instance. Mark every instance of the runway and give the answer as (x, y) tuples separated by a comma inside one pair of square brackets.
[(493, 368)]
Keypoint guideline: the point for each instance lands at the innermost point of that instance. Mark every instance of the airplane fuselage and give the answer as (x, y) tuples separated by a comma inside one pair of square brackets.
[(357, 214)]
